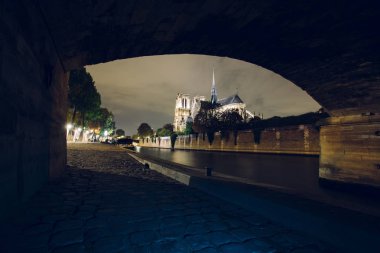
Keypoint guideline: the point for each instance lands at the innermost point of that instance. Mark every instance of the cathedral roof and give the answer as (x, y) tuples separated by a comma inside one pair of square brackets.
[(234, 99)]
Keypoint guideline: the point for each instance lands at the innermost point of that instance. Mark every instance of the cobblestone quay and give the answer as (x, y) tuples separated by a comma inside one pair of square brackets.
[(108, 202)]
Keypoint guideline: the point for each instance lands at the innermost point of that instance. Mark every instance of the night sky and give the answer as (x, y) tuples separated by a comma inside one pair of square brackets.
[(144, 89)]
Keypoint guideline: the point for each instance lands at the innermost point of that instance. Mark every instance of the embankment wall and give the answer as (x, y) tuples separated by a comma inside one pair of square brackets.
[(300, 139)]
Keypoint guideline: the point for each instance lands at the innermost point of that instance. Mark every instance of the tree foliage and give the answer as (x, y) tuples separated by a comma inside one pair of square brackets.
[(306, 118), (166, 130), (144, 130), (83, 95), (101, 118), (173, 138), (231, 120), (120, 132), (207, 121), (189, 128)]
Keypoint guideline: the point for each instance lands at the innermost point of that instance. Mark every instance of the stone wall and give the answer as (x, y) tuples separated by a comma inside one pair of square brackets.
[(33, 95), (351, 150), (303, 139)]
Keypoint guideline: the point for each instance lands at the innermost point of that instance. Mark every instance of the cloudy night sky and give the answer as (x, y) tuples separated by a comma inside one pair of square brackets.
[(144, 89)]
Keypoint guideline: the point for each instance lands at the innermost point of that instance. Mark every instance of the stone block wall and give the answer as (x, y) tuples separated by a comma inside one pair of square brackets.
[(33, 95), (351, 150), (303, 139)]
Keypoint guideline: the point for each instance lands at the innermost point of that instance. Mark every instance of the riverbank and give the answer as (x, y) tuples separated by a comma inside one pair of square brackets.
[(297, 176), (108, 202), (298, 139), (351, 231)]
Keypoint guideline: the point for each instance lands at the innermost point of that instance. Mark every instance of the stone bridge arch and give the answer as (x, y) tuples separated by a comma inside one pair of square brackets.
[(329, 49)]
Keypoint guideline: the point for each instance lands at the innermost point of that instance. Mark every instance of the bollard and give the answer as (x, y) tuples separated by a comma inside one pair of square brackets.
[(208, 171)]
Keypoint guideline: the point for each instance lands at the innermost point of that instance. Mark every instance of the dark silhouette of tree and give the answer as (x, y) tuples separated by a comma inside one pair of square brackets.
[(256, 129), (169, 127), (101, 118), (199, 125), (231, 120), (206, 121), (83, 95), (212, 127), (166, 130), (189, 128), (120, 132), (173, 138), (144, 130)]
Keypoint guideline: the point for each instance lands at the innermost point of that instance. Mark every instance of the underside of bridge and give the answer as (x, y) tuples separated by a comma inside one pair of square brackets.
[(328, 48)]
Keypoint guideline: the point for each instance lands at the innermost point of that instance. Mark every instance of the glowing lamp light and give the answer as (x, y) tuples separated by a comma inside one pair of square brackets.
[(69, 126), (105, 133)]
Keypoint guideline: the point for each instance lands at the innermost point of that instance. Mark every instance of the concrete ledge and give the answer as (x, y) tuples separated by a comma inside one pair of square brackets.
[(346, 230), (176, 175)]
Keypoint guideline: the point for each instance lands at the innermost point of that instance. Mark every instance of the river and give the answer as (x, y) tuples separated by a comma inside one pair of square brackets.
[(290, 173)]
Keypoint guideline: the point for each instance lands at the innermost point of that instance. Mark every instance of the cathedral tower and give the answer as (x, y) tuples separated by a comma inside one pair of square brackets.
[(181, 112), (214, 97)]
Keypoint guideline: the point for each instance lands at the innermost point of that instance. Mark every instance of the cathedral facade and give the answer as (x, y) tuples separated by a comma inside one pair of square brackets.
[(187, 108)]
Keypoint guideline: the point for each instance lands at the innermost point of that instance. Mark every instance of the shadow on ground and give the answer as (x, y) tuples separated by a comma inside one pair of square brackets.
[(108, 202)]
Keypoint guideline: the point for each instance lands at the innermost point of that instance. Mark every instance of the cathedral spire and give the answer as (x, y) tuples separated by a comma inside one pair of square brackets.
[(214, 97)]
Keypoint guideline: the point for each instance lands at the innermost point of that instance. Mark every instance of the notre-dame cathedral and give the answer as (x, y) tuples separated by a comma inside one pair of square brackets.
[(187, 108)]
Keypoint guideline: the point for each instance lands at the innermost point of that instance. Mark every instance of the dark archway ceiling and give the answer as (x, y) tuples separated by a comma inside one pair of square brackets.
[(331, 49)]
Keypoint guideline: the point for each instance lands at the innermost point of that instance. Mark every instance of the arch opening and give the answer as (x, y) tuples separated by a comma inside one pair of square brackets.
[(146, 87)]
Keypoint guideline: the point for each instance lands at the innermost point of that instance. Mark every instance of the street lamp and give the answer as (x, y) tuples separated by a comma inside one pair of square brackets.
[(68, 128)]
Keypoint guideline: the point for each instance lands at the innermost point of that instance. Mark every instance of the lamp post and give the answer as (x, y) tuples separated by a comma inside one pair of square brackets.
[(68, 128)]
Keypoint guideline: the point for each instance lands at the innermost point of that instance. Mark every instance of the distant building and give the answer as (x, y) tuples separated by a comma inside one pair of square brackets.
[(182, 111), (186, 109)]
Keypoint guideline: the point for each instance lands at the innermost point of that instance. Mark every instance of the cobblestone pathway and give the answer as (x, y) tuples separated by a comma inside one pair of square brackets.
[(108, 203)]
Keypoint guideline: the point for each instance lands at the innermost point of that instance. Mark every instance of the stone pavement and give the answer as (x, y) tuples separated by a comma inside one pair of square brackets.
[(107, 202)]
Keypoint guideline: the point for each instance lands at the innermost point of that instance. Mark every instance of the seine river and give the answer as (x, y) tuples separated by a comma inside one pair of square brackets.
[(290, 173), (299, 173)]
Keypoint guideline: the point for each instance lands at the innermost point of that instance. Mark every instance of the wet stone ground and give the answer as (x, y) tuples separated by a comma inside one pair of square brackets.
[(107, 203)]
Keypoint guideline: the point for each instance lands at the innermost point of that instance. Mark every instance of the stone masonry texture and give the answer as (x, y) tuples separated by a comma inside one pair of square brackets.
[(297, 139), (108, 202), (328, 49), (33, 98)]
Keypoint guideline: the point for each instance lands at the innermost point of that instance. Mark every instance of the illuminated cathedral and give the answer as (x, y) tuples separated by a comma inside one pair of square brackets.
[(186, 108)]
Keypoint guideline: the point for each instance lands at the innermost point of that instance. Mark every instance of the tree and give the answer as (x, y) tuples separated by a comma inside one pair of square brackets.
[(166, 130), (231, 120), (173, 138), (189, 128), (169, 127), (207, 121), (256, 129), (120, 132), (199, 125), (212, 127), (83, 95), (101, 118), (144, 130)]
